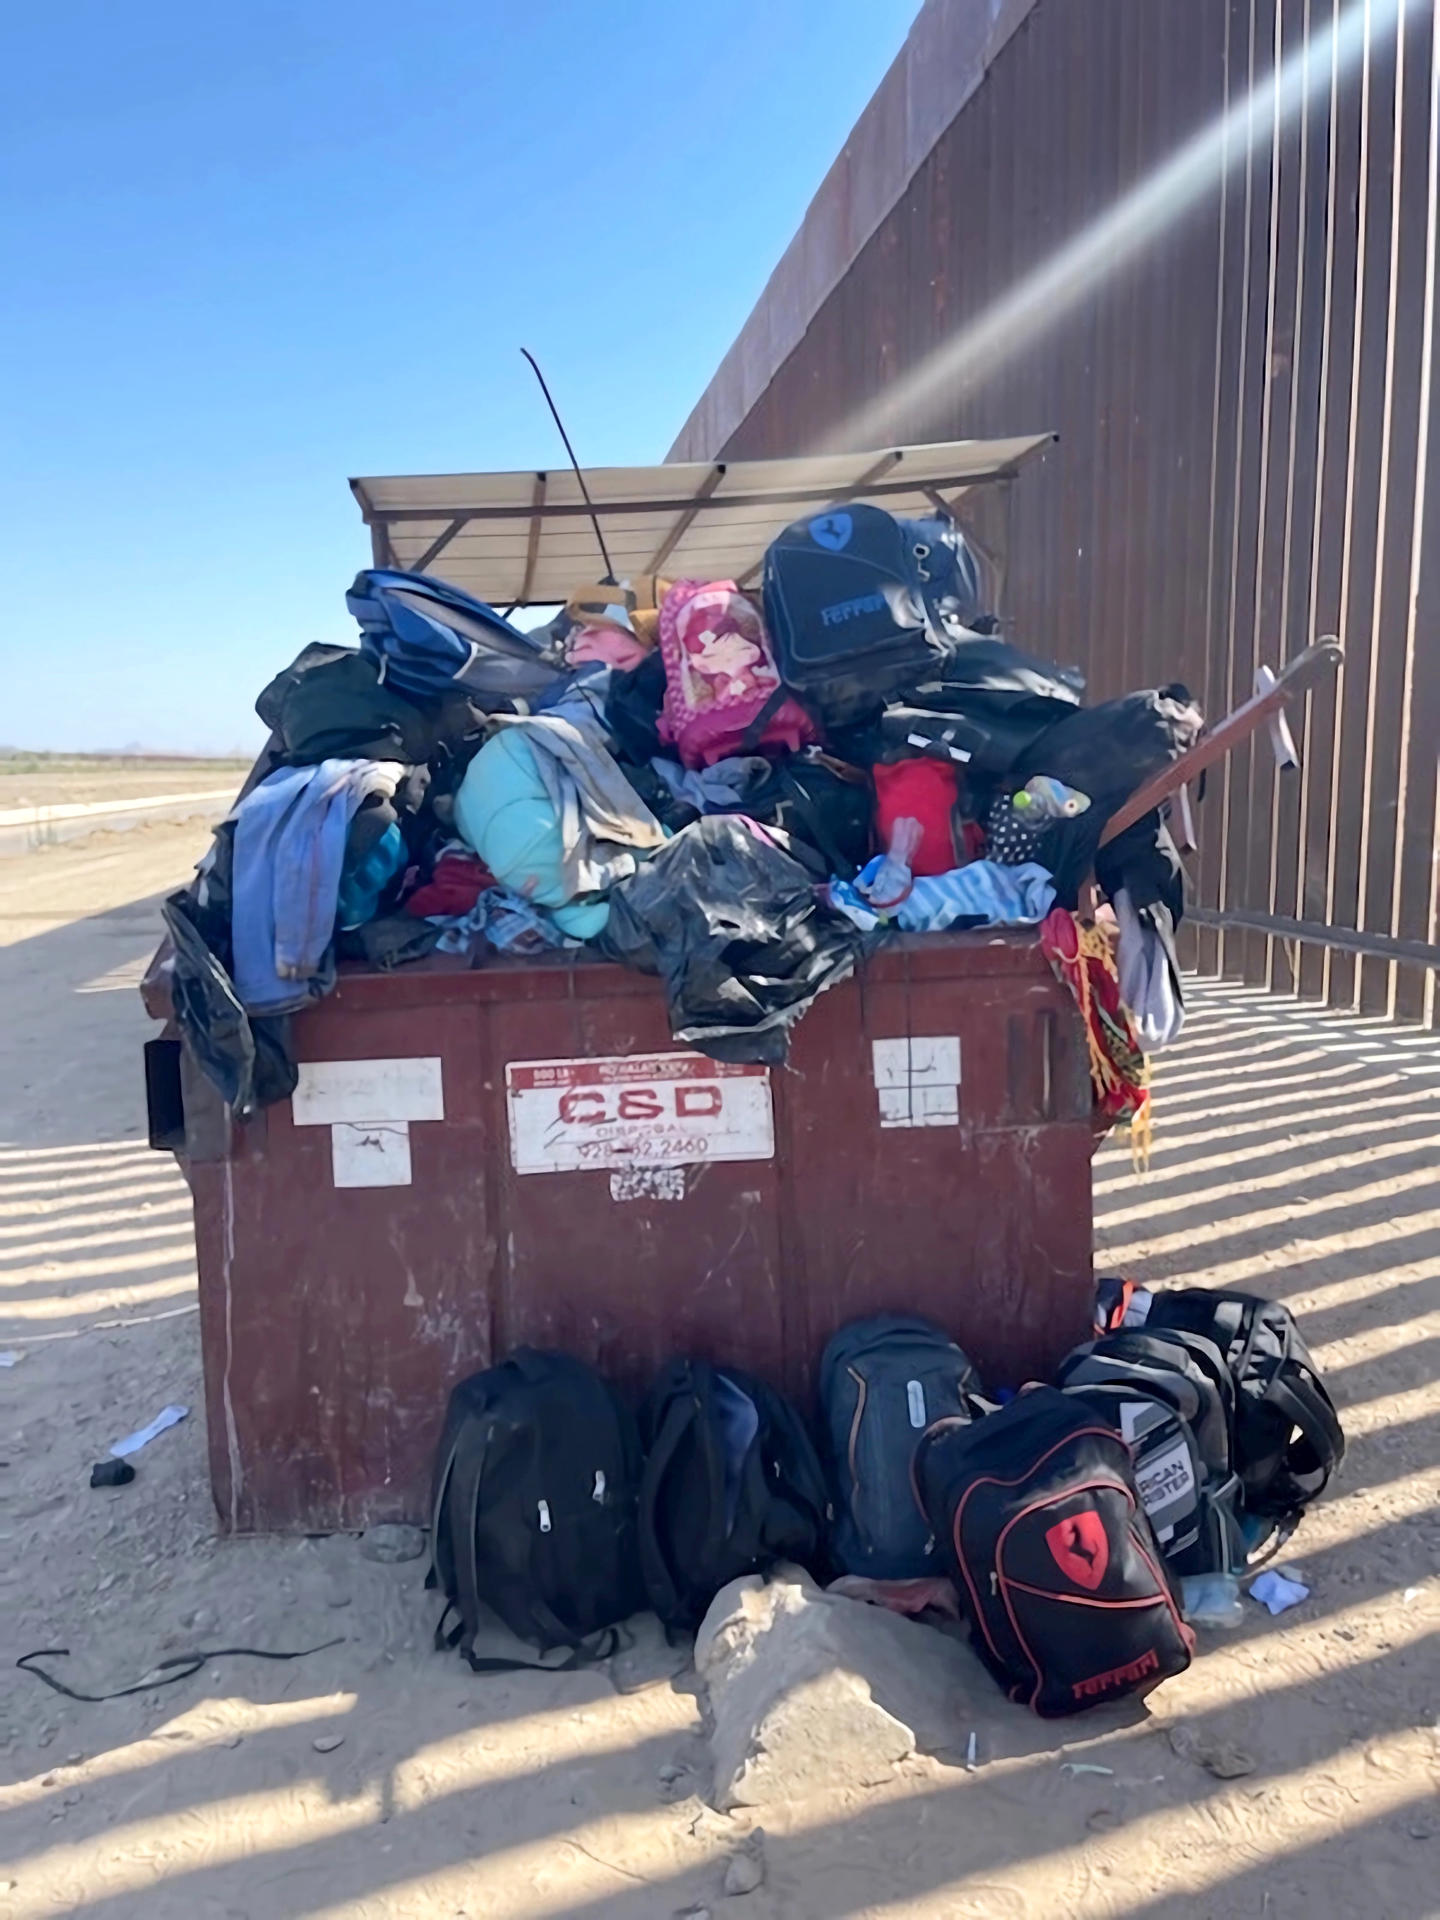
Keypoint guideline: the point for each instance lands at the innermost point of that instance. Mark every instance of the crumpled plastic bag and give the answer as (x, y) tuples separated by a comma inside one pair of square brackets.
[(247, 1057), (734, 929)]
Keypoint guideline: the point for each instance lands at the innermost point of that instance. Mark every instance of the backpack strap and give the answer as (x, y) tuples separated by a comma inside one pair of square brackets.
[(588, 1654), (1292, 1387), (750, 739), (179, 1666), (447, 1641), (467, 1476), (660, 1582), (1308, 1407), (1284, 1532), (437, 1513)]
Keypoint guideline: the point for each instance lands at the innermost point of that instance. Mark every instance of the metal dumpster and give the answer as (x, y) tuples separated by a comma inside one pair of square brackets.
[(519, 1153)]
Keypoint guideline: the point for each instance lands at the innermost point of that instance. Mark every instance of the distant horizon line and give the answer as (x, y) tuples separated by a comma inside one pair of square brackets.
[(236, 754)]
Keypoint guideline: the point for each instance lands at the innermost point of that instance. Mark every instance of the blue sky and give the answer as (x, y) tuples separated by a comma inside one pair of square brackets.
[(253, 249)]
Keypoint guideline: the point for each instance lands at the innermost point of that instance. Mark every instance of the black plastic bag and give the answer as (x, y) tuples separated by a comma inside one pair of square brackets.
[(985, 697), (248, 1060), (1112, 749), (735, 930)]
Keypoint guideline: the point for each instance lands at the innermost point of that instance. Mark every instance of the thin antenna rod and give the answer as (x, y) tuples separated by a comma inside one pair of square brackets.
[(609, 580)]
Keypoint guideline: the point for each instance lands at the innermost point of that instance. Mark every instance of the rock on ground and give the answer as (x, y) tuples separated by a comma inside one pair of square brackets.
[(809, 1691)]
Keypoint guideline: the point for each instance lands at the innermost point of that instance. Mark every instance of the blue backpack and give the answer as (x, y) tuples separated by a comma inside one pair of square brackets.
[(883, 1382), (428, 639)]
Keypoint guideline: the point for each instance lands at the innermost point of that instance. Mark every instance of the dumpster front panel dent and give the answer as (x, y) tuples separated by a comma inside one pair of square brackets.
[(345, 1312)]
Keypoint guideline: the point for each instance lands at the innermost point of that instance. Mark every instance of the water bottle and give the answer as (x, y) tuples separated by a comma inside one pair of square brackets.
[(1044, 798)]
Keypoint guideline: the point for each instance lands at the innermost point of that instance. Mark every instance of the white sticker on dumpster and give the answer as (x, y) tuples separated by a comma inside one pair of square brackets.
[(376, 1154), (918, 1080), (359, 1091), (636, 1110)]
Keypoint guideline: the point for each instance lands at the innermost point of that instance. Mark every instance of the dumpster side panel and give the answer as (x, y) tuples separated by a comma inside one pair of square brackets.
[(337, 1317)]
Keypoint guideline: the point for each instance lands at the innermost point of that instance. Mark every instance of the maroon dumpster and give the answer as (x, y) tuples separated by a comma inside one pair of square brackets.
[(476, 1158), (520, 1153)]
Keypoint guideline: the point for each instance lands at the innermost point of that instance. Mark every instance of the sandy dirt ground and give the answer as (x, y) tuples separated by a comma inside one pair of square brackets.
[(48, 783), (1296, 1153)]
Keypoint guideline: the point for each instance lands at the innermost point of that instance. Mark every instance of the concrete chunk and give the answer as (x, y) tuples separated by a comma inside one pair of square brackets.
[(811, 1691)]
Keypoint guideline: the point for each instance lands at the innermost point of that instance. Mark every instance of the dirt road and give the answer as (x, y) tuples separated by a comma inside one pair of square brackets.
[(1296, 1153)]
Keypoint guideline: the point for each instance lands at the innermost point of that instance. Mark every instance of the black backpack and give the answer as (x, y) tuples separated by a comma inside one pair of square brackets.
[(1110, 750), (731, 1485), (982, 701), (1288, 1437), (823, 803), (1172, 1400), (949, 578), (533, 1508), (883, 1381), (331, 701), (1068, 1594), (847, 610)]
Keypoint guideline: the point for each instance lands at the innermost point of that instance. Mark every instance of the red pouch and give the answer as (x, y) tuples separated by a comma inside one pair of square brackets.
[(923, 790)]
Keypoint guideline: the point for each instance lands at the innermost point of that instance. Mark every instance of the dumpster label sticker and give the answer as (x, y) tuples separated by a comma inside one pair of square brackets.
[(360, 1091), (647, 1183), (918, 1080), (376, 1154), (638, 1110)]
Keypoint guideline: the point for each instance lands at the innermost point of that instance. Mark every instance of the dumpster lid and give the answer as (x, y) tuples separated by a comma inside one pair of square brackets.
[(524, 539)]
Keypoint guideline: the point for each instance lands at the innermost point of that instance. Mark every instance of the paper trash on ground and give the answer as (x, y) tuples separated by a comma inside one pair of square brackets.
[(133, 1442), (1275, 1591)]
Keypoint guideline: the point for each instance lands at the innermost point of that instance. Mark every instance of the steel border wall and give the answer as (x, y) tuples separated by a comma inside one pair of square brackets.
[(1247, 416)]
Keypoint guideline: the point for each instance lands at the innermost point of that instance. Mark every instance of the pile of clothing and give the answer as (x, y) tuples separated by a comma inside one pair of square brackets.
[(740, 791)]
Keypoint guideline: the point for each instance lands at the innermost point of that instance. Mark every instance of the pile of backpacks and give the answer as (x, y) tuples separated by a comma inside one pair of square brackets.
[(740, 791), (1184, 1441)]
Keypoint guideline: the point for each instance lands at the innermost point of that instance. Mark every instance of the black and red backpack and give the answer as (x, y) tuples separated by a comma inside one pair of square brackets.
[(1036, 1510)]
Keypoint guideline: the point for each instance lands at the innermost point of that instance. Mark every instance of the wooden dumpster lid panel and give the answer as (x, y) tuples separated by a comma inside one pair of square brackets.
[(525, 538)]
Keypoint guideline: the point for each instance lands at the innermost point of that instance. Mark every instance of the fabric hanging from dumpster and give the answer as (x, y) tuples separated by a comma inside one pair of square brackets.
[(290, 845), (734, 929), (1082, 956), (248, 1060), (1149, 972)]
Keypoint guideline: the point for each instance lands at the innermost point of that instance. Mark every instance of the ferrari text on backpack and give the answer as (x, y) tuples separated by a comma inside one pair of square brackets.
[(883, 1381), (533, 1509), (861, 605), (1171, 1398), (1039, 1518), (731, 1485)]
